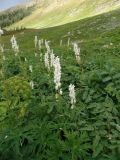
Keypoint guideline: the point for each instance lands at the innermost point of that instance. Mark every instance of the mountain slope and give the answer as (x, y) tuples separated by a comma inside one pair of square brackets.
[(51, 13), (15, 14)]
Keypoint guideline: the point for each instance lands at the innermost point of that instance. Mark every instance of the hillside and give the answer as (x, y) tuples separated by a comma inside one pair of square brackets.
[(51, 13), (15, 14), (37, 122)]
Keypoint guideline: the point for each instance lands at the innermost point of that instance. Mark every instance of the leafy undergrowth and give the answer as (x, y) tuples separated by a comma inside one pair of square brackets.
[(34, 125)]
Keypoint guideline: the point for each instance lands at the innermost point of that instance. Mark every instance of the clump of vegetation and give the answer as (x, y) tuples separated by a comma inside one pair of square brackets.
[(9, 17)]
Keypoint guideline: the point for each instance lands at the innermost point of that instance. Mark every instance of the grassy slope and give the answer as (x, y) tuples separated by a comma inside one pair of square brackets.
[(50, 13), (94, 35)]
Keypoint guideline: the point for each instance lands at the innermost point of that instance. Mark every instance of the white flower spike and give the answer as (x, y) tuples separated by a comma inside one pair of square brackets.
[(68, 42), (47, 46), (36, 41), (46, 60), (77, 52), (1, 32), (15, 46), (30, 68), (32, 84), (2, 48), (61, 42), (72, 95), (52, 58), (57, 75), (40, 44), (4, 58)]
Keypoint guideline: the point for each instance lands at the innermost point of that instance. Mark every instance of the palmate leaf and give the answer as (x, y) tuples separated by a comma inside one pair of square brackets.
[(50, 109), (97, 150), (116, 76), (96, 141), (85, 94), (118, 127), (75, 145), (3, 109), (87, 128), (107, 79)]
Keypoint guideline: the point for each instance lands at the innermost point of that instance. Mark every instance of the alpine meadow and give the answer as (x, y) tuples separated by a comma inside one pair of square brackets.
[(60, 80)]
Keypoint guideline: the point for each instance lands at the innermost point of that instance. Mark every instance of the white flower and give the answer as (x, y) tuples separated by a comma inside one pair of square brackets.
[(47, 46), (4, 58), (13, 39), (6, 136), (41, 55), (57, 73), (15, 46), (61, 92), (52, 58), (1, 31), (30, 68), (42, 41), (16, 49), (1, 48), (36, 41), (68, 42), (60, 42), (76, 51), (35, 54), (32, 84), (40, 44), (46, 60), (72, 95), (25, 59)]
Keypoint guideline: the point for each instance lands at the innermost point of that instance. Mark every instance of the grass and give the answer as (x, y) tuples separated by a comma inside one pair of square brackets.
[(99, 31), (38, 126)]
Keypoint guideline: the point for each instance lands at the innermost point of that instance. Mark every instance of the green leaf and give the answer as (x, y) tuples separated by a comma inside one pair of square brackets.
[(85, 94), (107, 79), (116, 76), (96, 141), (97, 150), (118, 127), (50, 109), (87, 128)]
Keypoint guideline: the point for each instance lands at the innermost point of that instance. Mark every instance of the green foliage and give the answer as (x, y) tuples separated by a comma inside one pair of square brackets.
[(34, 125), (9, 17), (12, 68), (41, 127), (101, 83), (16, 87)]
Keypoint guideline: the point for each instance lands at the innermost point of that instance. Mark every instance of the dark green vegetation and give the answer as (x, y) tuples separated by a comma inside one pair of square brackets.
[(36, 126), (11, 16)]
